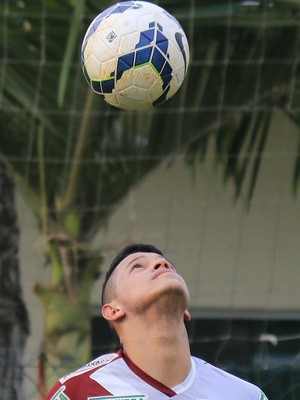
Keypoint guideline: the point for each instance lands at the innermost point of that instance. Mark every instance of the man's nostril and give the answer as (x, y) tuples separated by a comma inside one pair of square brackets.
[(157, 266)]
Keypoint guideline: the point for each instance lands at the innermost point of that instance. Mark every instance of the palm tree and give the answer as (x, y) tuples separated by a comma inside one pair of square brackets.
[(75, 158), (14, 324)]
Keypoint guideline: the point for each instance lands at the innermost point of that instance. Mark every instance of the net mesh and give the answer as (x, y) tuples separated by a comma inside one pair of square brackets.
[(244, 74)]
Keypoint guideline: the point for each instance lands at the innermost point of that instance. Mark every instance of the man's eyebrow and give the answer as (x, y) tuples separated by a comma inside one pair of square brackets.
[(142, 256), (134, 259)]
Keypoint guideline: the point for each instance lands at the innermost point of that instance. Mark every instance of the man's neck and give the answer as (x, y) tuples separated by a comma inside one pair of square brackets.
[(159, 347)]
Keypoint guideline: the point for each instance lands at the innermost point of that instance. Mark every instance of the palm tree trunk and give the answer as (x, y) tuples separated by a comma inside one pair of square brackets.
[(66, 303), (66, 342), (14, 323)]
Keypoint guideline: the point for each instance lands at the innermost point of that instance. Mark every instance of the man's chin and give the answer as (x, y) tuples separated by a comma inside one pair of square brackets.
[(174, 296)]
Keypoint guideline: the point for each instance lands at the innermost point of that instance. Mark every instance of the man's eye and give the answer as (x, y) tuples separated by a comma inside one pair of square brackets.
[(136, 266)]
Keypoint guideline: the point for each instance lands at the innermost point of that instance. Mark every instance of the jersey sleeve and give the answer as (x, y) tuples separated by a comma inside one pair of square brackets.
[(77, 388), (59, 392), (78, 385), (262, 396)]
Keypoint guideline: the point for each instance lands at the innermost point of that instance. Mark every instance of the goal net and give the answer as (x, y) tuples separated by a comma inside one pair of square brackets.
[(211, 176)]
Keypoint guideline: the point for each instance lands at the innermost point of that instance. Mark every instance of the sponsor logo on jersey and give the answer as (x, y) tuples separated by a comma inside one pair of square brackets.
[(98, 362), (127, 397), (60, 395)]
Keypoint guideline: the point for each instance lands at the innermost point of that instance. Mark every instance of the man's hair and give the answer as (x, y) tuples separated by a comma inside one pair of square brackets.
[(126, 251)]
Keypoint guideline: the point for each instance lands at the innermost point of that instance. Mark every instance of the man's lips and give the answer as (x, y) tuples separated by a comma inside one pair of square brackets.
[(160, 272)]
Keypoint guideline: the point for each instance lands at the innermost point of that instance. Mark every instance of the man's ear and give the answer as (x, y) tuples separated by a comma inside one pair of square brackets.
[(112, 313), (187, 315)]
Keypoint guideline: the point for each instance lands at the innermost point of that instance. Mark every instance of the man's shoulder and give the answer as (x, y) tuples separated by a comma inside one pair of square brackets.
[(91, 366), (227, 381), (71, 385)]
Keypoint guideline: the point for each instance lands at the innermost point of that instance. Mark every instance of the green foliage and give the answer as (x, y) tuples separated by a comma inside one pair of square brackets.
[(92, 154)]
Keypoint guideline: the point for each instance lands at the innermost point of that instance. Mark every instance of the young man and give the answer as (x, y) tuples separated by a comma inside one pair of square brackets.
[(146, 303)]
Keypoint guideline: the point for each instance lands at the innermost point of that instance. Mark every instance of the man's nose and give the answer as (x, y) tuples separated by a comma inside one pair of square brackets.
[(161, 263)]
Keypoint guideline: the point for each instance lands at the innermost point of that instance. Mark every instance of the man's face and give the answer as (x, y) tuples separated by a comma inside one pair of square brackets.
[(142, 279)]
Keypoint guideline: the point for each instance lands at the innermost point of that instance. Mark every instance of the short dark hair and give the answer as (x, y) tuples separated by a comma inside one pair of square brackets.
[(126, 251)]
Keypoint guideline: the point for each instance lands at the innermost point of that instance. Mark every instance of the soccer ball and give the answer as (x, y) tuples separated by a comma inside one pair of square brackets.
[(135, 54)]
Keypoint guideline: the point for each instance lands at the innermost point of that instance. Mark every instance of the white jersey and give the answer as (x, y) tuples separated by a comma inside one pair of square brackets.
[(115, 377)]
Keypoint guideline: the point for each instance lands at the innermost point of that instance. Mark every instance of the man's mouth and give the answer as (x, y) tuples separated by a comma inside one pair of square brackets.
[(158, 273)]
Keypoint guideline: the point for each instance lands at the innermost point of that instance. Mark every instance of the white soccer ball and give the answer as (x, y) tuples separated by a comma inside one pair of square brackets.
[(135, 54)]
